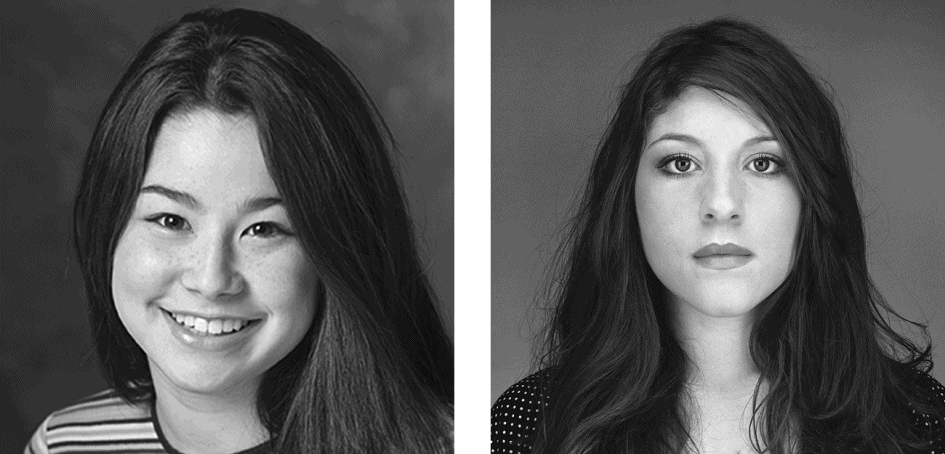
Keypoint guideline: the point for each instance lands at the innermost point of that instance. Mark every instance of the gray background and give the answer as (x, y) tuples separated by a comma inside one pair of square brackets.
[(59, 62), (556, 70)]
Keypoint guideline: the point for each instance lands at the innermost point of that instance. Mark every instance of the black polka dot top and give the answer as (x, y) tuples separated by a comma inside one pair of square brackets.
[(516, 413)]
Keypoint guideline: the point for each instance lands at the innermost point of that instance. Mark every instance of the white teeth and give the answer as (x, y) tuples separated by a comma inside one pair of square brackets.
[(215, 326), (237, 324)]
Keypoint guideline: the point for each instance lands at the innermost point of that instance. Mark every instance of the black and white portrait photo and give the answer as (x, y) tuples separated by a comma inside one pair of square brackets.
[(233, 227), (716, 227)]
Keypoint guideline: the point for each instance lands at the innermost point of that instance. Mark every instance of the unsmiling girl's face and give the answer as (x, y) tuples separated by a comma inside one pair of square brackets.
[(208, 276), (711, 172)]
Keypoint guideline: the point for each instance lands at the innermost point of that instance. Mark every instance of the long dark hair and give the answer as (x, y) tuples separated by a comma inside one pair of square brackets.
[(375, 371), (839, 378)]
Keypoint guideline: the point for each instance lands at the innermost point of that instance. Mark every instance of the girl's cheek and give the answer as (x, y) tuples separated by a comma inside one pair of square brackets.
[(287, 278), (142, 269)]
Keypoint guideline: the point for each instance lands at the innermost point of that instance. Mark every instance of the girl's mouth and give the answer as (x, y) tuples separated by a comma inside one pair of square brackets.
[(210, 327)]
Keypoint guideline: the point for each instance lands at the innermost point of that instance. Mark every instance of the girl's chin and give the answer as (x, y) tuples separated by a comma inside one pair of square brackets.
[(202, 381), (719, 306), (200, 384), (727, 308)]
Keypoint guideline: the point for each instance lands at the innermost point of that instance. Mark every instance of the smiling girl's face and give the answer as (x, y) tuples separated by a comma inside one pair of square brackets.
[(208, 276), (711, 172)]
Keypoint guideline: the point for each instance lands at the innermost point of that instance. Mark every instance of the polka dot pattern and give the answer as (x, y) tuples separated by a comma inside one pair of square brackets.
[(516, 414), (930, 423)]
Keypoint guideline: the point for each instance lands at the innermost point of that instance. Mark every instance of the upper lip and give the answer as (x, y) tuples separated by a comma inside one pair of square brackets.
[(725, 249)]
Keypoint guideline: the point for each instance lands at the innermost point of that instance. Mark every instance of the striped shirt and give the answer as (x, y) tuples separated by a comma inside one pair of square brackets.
[(104, 422)]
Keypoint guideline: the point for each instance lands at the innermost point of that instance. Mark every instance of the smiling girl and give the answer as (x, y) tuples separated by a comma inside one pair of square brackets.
[(251, 269), (713, 293)]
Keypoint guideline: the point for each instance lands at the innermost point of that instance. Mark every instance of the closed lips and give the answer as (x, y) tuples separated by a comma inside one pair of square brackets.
[(717, 249)]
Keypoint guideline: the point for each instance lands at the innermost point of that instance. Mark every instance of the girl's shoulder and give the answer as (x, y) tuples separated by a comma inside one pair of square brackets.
[(103, 421), (516, 413), (931, 408), (935, 389), (928, 410)]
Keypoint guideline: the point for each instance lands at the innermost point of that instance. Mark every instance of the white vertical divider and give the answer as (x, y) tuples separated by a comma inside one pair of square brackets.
[(472, 226)]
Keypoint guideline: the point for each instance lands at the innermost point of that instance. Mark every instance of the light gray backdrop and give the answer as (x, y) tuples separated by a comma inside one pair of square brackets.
[(556, 69), (60, 60)]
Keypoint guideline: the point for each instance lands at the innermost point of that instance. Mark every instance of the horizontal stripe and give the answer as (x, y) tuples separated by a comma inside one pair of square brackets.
[(123, 451), (137, 431), (112, 409), (122, 448), (119, 450), (104, 442), (99, 422)]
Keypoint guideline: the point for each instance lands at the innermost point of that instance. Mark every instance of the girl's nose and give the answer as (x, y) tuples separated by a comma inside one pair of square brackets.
[(212, 274), (723, 199)]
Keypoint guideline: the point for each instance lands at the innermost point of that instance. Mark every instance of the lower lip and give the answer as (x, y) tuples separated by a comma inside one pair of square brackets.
[(723, 262), (209, 342)]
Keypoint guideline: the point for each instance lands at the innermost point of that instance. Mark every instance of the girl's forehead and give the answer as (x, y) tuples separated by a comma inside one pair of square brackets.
[(708, 114), (211, 155)]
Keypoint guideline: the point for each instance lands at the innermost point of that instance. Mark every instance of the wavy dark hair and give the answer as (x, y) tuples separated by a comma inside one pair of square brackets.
[(839, 377), (375, 371)]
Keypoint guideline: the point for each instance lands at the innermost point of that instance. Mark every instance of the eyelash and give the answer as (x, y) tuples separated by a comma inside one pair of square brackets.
[(160, 218), (670, 159)]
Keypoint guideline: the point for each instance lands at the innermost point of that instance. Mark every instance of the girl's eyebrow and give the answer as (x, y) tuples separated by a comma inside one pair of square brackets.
[(180, 197), (183, 198), (757, 140), (686, 138), (695, 141), (258, 204)]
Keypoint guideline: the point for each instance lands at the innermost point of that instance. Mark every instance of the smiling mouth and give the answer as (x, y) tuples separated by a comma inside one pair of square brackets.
[(210, 327)]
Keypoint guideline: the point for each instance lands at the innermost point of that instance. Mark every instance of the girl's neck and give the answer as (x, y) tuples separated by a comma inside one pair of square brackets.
[(718, 352), (212, 424), (721, 379)]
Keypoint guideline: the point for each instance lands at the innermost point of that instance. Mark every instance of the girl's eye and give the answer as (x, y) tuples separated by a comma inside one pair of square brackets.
[(766, 165), (265, 230), (169, 221), (677, 165)]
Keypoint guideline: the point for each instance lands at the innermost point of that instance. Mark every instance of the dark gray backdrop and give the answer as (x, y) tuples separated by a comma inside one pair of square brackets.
[(59, 62), (556, 69)]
